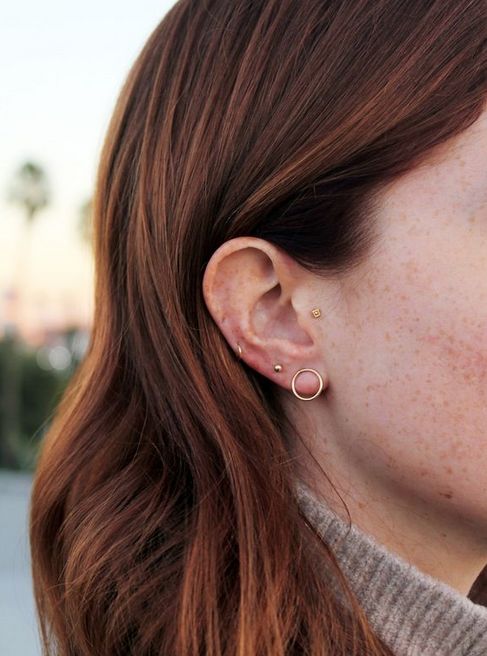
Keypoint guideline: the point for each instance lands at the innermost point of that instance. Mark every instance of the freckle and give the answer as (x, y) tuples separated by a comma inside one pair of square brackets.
[(423, 472), (448, 470), (443, 535), (361, 505), (388, 337), (447, 495)]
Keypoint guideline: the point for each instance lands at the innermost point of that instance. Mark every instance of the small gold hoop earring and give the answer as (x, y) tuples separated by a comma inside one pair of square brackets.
[(306, 398), (239, 351)]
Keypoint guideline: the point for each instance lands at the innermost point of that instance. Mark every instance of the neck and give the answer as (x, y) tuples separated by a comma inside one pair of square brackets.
[(437, 537), (410, 610)]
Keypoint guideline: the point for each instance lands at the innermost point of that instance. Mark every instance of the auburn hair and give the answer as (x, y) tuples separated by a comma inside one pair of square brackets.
[(163, 520)]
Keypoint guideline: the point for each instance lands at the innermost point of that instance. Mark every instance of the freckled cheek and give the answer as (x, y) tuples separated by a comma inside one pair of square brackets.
[(463, 357)]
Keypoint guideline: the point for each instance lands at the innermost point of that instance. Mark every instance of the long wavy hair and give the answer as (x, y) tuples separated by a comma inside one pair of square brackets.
[(163, 519)]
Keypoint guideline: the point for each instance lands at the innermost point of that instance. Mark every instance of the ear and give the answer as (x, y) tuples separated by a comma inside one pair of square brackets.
[(263, 299)]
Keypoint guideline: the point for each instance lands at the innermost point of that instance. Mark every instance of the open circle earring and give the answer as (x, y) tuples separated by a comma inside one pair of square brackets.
[(307, 398)]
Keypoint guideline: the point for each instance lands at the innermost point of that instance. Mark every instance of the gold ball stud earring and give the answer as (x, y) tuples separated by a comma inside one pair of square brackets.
[(277, 367)]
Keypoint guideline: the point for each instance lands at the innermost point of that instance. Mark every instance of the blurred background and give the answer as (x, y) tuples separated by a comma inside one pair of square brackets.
[(63, 66)]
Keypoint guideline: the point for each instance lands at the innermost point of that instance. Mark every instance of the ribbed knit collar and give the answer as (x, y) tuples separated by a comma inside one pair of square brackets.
[(412, 612)]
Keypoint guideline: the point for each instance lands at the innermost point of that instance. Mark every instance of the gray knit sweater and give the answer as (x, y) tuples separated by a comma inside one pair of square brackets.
[(412, 612)]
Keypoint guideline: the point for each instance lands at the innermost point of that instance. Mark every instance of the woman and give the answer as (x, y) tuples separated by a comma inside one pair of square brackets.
[(276, 442)]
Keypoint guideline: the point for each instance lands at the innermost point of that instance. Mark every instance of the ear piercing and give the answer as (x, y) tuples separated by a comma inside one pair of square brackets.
[(318, 391), (278, 367), (316, 312)]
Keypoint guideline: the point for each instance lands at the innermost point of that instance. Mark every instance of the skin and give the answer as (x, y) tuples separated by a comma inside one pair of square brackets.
[(401, 426)]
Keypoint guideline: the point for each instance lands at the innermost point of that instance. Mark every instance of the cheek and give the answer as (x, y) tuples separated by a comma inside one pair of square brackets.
[(464, 356), (417, 386)]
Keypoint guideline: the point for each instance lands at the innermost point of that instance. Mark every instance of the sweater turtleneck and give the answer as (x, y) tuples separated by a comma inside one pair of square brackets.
[(412, 612)]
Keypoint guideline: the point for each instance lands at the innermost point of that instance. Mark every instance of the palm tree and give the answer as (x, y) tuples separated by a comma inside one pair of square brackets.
[(85, 224), (30, 190)]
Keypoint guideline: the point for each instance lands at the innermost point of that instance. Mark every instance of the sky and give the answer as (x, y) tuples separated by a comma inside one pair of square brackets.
[(63, 65)]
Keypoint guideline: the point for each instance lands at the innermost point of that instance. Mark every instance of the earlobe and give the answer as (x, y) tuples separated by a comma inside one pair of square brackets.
[(278, 369), (320, 384)]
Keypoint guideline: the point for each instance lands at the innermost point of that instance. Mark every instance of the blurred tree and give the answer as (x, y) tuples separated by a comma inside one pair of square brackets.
[(41, 392), (29, 189), (9, 400), (86, 222), (41, 387)]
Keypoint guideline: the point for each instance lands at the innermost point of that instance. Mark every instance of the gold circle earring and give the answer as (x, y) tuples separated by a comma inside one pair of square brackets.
[(239, 351), (306, 398)]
